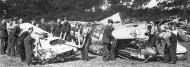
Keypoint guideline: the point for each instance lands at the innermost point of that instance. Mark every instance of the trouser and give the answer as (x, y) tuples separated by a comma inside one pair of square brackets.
[(28, 50), (21, 50), (170, 53), (109, 50), (11, 49), (154, 41), (85, 49), (2, 46), (8, 46)]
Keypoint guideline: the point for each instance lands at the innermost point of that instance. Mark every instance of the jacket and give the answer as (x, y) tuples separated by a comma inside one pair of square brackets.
[(107, 35)]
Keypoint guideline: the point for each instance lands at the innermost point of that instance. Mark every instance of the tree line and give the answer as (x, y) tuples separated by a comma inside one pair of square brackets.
[(75, 9)]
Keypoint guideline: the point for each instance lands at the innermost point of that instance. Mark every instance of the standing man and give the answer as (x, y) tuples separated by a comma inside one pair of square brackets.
[(43, 25), (13, 35), (10, 37), (3, 37), (20, 43), (16, 32), (86, 42), (57, 27), (153, 38), (65, 31), (170, 40), (33, 22), (51, 26), (38, 24), (108, 41), (20, 21)]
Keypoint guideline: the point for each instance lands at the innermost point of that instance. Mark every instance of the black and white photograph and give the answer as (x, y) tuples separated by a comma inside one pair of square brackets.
[(94, 33)]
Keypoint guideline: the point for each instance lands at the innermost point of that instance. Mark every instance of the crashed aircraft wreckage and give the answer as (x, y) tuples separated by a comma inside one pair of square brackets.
[(134, 43), (51, 47)]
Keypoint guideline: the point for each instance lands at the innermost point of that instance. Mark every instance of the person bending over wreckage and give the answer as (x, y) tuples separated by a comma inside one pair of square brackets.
[(20, 43), (31, 42), (170, 40)]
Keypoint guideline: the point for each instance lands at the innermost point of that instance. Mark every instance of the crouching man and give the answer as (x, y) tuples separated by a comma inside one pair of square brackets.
[(108, 42)]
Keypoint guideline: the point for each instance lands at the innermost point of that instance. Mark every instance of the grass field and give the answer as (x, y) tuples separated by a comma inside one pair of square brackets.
[(96, 61)]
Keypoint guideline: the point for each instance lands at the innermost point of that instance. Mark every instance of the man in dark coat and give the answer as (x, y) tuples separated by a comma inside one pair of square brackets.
[(30, 42), (56, 29), (108, 42), (28, 45), (65, 31), (3, 37), (45, 26), (20, 43)]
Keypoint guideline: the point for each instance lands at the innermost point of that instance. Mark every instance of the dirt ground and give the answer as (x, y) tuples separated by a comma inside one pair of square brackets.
[(96, 61)]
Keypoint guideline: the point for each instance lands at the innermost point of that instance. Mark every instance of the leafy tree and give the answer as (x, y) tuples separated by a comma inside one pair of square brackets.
[(24, 8)]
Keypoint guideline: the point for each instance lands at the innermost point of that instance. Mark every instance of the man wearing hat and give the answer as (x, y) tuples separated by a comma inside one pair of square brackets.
[(20, 43), (108, 42)]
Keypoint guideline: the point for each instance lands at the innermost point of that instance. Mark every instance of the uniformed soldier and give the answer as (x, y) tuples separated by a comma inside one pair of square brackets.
[(108, 42), (170, 40), (65, 31), (3, 37)]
